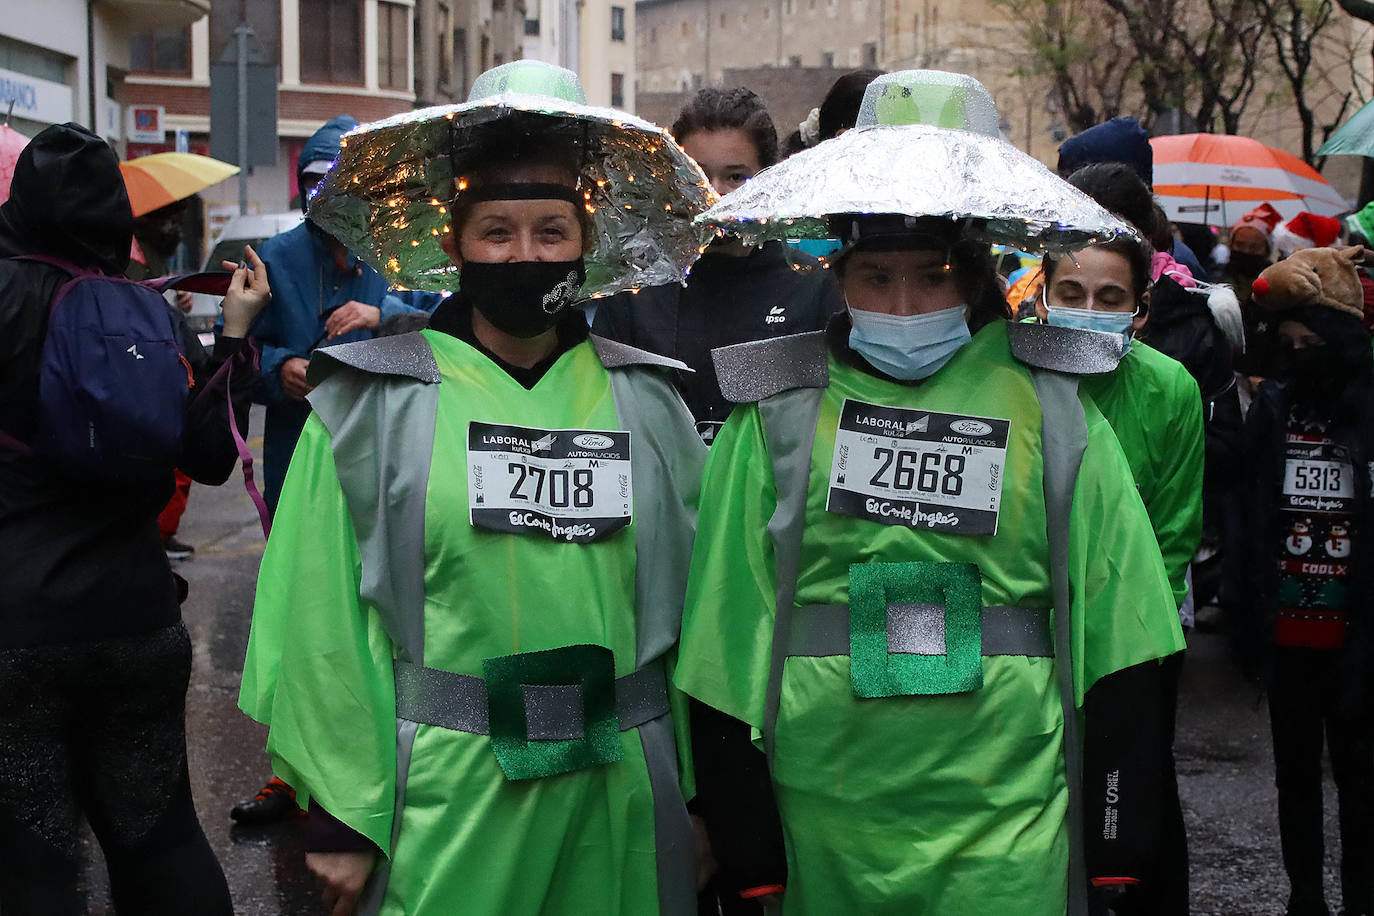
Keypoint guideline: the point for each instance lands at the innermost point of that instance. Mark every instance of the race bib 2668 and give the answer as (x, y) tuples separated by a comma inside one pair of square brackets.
[(571, 485), (918, 468)]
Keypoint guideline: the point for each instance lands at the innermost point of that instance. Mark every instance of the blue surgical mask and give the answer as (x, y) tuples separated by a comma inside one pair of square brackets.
[(1093, 320), (908, 347)]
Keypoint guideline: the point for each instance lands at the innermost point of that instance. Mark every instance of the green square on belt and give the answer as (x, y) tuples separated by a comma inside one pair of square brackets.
[(876, 672), (590, 667)]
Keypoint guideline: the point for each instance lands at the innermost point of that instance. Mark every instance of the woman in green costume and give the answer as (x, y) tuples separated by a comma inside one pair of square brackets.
[(467, 609), (1153, 406), (920, 560)]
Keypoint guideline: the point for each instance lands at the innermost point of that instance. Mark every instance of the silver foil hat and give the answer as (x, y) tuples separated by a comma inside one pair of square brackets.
[(935, 97), (387, 196), (1003, 195)]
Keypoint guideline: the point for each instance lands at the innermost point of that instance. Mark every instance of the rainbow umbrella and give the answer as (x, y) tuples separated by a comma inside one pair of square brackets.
[(1217, 178), (164, 178)]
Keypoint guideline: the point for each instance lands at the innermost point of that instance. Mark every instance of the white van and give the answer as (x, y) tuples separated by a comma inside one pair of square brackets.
[(252, 229)]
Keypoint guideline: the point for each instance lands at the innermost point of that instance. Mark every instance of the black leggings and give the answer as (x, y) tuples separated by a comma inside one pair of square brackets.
[(1305, 708), (98, 729)]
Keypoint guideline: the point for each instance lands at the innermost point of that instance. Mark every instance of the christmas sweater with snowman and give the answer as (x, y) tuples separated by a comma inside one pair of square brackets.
[(1317, 505)]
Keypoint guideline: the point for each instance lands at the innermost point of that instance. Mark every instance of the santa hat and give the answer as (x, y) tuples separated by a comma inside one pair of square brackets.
[(1262, 219), (1306, 230)]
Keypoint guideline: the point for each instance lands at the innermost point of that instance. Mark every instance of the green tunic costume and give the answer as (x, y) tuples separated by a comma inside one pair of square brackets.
[(950, 803), (1153, 406), (332, 633)]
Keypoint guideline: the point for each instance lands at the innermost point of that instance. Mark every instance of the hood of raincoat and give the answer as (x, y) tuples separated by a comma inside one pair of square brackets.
[(1117, 140), (68, 200), (325, 143)]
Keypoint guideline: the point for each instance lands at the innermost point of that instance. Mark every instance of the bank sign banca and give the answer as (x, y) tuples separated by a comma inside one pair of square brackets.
[(35, 99)]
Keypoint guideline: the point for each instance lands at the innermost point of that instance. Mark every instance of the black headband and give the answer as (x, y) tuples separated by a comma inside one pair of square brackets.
[(525, 190)]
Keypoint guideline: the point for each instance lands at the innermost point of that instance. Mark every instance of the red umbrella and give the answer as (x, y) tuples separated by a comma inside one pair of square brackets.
[(12, 143)]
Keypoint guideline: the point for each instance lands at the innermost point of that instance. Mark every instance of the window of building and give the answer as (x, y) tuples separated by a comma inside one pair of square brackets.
[(331, 41), (767, 13), (444, 21), (828, 59), (722, 20), (393, 46), (617, 23), (166, 52), (460, 63), (498, 6), (790, 7), (617, 90), (870, 54), (531, 26), (684, 28), (653, 34), (794, 60)]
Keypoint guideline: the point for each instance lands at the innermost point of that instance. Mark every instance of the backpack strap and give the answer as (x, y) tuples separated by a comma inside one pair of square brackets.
[(616, 355), (404, 355), (758, 369), (59, 263), (1069, 350)]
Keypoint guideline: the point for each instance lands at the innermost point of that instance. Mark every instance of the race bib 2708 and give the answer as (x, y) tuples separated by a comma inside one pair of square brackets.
[(572, 485)]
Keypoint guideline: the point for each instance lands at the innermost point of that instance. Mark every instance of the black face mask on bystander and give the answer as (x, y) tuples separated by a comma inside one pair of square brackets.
[(1246, 265), (522, 298), (1309, 367)]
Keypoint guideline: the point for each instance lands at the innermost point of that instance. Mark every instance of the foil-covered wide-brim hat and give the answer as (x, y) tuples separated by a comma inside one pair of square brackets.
[(387, 196), (926, 144)]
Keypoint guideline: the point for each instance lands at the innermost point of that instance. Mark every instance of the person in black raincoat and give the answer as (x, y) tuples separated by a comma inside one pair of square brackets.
[(94, 657), (735, 293)]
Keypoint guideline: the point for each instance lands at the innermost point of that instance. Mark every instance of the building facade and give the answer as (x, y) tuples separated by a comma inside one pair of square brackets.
[(686, 44), (594, 38), (66, 60), (366, 58)]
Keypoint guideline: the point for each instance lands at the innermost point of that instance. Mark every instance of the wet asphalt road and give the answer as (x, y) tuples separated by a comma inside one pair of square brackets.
[(1222, 748)]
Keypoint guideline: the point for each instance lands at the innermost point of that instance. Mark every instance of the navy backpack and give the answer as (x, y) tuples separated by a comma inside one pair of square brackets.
[(113, 380)]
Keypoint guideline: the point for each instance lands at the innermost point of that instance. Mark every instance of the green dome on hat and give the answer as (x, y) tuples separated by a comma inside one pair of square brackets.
[(933, 97), (531, 77)]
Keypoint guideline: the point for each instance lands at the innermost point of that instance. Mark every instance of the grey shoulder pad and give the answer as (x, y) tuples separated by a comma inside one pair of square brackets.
[(759, 369), (406, 355), (1068, 350), (614, 355)]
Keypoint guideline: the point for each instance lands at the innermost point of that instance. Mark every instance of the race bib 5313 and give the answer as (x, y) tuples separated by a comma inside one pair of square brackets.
[(918, 468), (568, 484)]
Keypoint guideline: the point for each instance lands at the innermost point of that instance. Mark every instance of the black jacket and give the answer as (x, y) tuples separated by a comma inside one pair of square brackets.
[(1252, 570), (1181, 326), (82, 557), (774, 291)]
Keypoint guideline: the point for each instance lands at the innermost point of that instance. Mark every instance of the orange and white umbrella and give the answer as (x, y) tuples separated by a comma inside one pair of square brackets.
[(1217, 178)]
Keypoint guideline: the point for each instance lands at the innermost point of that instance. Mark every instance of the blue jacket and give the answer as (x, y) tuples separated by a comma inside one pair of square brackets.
[(306, 286)]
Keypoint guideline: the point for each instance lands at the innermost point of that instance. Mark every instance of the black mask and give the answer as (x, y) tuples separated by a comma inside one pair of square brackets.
[(1247, 265), (522, 298), (1311, 368)]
